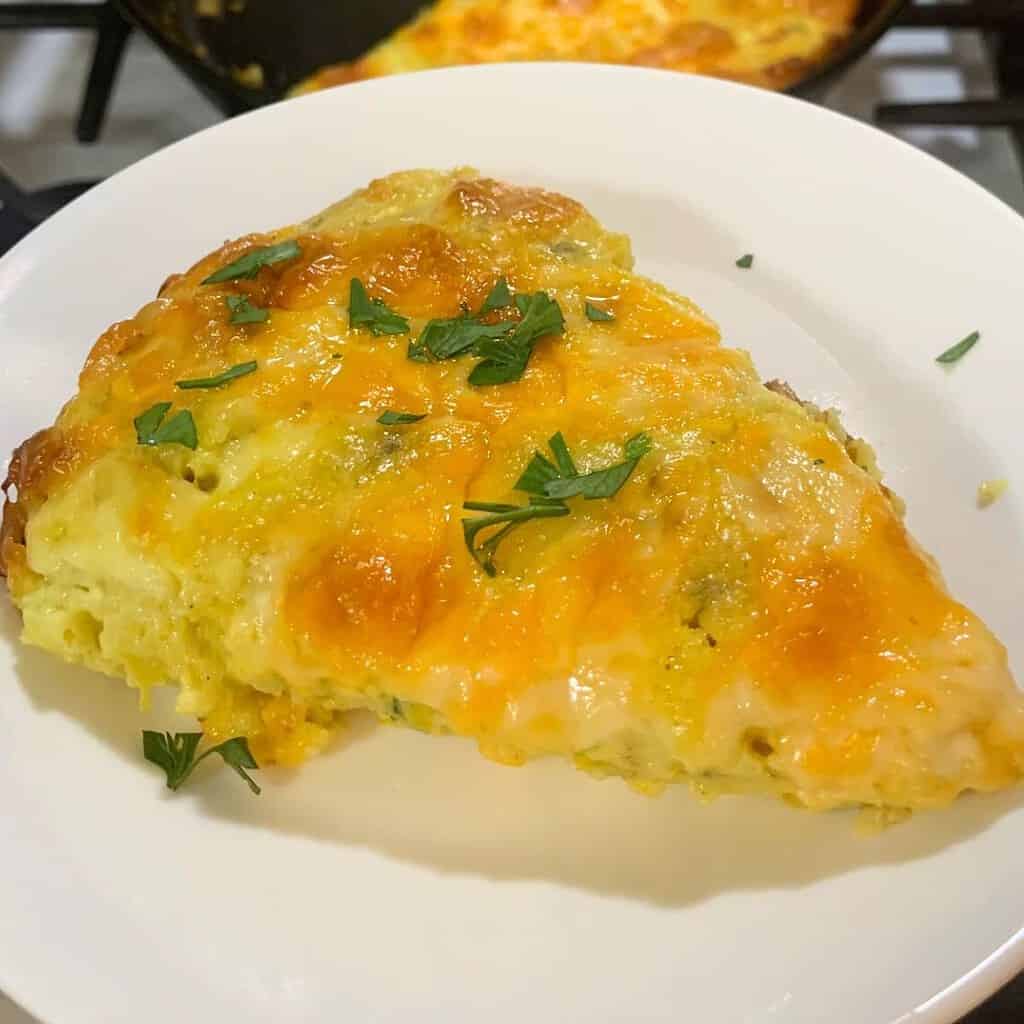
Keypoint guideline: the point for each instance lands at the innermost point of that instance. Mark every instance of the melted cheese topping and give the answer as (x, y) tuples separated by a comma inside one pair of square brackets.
[(748, 612), (772, 43)]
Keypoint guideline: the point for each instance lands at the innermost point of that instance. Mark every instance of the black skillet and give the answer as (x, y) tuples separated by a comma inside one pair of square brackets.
[(290, 39)]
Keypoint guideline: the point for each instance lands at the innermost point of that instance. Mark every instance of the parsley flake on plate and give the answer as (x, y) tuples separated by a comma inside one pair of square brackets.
[(956, 352)]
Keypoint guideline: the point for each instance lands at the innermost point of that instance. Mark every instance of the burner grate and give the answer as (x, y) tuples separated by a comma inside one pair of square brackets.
[(1002, 22), (112, 33)]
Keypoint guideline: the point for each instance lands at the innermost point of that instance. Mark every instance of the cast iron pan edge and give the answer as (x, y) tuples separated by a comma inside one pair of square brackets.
[(264, 34)]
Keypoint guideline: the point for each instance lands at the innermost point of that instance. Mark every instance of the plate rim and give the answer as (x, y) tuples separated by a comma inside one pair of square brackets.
[(38, 235)]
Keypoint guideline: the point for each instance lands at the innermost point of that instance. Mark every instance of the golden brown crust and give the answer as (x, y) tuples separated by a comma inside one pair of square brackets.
[(532, 207), (28, 472)]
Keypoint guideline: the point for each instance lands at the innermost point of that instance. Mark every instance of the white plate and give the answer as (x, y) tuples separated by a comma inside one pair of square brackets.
[(403, 878)]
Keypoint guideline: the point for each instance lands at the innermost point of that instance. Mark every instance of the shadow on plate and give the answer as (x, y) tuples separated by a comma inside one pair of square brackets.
[(435, 803)]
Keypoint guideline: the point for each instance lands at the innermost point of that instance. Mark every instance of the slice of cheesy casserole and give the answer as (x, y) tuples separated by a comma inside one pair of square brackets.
[(771, 43), (438, 453)]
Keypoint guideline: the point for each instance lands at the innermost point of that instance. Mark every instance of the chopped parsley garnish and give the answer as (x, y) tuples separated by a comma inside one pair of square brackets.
[(389, 418), (175, 753), (504, 348), (500, 296), (545, 479), (372, 313), (241, 370), (746, 261), (504, 359), (450, 338), (249, 265), (541, 470), (508, 517), (152, 427), (549, 484), (960, 349), (597, 314), (504, 362), (244, 312)]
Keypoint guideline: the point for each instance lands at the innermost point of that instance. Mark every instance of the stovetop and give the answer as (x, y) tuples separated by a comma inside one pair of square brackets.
[(916, 66)]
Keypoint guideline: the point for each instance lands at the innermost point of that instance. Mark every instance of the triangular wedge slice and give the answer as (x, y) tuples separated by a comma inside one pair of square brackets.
[(702, 579)]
